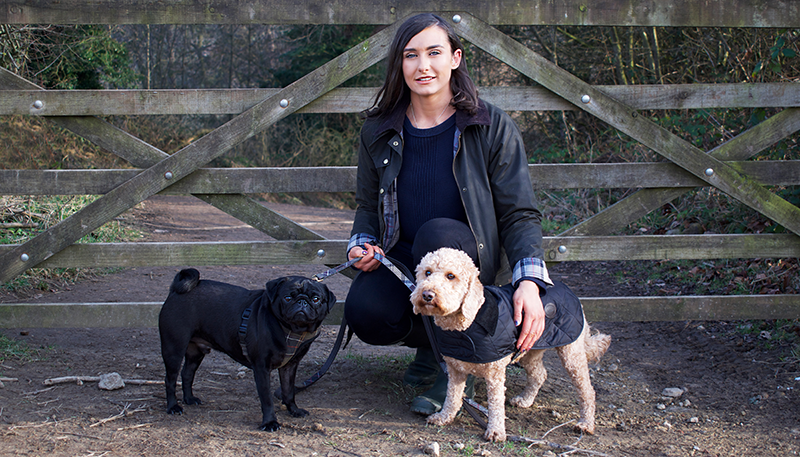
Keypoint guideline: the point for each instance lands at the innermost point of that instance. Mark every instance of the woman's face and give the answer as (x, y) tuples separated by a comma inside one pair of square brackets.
[(428, 62)]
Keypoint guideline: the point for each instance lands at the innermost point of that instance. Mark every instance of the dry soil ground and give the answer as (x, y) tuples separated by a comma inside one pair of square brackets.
[(739, 398)]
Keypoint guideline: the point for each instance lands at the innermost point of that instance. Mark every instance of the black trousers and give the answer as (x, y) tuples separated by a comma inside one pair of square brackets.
[(378, 308)]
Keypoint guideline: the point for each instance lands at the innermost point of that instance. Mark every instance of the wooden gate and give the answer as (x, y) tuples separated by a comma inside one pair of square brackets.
[(726, 167)]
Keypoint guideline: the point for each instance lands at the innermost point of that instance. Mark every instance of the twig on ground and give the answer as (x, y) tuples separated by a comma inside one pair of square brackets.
[(146, 424), (37, 392), (80, 435), (65, 379), (45, 403), (557, 427), (9, 379), (561, 447), (124, 413), (81, 379)]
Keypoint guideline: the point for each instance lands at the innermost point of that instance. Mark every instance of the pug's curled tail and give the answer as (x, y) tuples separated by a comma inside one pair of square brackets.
[(185, 281)]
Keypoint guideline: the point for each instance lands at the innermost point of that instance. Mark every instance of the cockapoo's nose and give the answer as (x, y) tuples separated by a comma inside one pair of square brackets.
[(428, 296)]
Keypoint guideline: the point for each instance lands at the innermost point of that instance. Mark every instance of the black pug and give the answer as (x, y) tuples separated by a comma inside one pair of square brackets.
[(262, 329)]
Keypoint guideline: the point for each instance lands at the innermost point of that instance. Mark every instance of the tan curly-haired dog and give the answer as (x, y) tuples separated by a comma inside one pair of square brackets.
[(448, 289)]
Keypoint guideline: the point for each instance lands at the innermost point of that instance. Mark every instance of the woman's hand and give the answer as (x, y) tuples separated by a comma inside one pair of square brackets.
[(528, 309), (368, 261)]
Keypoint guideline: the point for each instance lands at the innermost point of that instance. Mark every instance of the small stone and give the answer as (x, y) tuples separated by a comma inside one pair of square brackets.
[(661, 406), (672, 392), (459, 446), (432, 449), (694, 420), (111, 381), (318, 428), (612, 367), (485, 453)]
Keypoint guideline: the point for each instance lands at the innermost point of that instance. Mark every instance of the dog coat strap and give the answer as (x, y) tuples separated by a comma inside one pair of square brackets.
[(243, 330), (564, 319)]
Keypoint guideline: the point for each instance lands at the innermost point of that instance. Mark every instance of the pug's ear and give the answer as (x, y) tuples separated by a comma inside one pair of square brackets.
[(273, 287), (331, 298)]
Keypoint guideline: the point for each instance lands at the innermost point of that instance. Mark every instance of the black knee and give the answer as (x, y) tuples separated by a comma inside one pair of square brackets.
[(444, 233)]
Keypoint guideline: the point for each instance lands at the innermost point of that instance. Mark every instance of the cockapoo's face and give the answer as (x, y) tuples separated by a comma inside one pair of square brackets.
[(447, 279)]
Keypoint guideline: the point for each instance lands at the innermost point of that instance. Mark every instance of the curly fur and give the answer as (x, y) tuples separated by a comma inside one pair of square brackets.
[(449, 290)]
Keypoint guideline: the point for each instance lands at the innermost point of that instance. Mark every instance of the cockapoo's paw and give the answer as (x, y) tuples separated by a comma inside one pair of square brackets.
[(585, 426), (495, 434), (521, 402), (438, 419)]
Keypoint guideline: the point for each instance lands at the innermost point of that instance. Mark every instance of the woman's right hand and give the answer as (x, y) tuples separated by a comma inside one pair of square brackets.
[(368, 261)]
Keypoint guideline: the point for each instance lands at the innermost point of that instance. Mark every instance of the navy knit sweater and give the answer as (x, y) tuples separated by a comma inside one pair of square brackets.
[(426, 187)]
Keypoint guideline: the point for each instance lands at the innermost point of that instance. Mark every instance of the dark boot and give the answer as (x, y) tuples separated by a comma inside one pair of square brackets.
[(422, 371), (431, 400)]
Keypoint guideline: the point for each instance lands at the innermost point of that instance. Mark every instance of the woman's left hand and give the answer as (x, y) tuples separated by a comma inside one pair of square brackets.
[(528, 309)]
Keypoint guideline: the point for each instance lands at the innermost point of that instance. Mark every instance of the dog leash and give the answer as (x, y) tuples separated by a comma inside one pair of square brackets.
[(473, 409), (319, 277)]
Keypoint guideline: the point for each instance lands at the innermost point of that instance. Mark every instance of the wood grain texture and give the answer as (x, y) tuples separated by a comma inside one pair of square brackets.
[(674, 13)]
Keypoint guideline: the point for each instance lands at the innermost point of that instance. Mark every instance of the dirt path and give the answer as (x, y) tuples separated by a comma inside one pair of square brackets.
[(739, 397)]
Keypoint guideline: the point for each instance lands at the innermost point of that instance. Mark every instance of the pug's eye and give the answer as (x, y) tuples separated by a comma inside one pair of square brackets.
[(315, 299), (451, 276), (428, 272), (288, 298)]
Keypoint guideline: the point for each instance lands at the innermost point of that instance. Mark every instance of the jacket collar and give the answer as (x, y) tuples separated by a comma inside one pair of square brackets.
[(394, 121)]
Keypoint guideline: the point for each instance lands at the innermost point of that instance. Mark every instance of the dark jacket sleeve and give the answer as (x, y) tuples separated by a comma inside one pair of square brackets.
[(367, 218), (518, 219)]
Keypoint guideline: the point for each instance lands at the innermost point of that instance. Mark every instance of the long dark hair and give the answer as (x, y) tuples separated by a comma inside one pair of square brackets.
[(395, 91)]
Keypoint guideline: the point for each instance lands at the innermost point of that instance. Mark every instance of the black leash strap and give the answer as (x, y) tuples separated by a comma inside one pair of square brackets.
[(343, 326), (473, 408), (339, 337), (335, 350), (470, 406)]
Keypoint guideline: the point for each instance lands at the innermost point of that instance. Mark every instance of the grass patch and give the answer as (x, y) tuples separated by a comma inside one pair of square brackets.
[(18, 350), (715, 277), (24, 217)]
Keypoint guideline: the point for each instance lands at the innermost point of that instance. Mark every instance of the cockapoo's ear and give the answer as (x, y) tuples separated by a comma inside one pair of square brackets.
[(473, 299)]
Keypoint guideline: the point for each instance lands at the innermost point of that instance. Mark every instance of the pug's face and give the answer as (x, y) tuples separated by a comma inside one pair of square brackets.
[(299, 302)]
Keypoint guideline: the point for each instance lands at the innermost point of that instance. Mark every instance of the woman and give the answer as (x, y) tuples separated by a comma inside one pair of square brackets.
[(438, 167)]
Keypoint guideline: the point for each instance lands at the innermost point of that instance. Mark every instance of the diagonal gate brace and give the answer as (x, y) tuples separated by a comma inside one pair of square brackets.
[(745, 145), (143, 155), (627, 120), (197, 154)]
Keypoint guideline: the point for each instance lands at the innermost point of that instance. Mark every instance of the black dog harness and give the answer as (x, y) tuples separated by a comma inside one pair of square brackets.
[(293, 339)]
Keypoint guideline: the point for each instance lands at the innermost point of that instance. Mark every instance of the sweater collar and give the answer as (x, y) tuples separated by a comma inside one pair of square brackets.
[(394, 121)]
